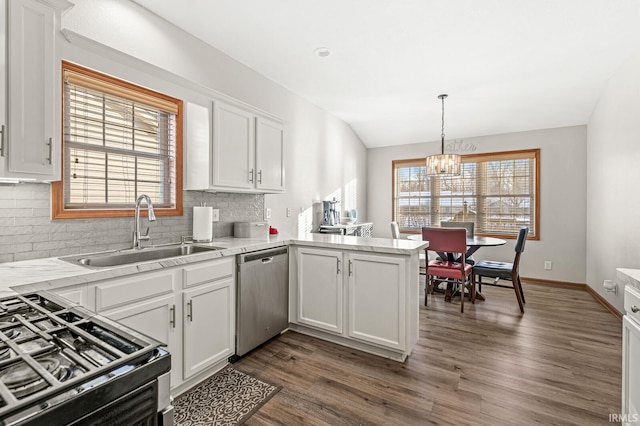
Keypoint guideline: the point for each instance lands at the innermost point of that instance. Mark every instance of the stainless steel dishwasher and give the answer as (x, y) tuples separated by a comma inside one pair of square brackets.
[(262, 298)]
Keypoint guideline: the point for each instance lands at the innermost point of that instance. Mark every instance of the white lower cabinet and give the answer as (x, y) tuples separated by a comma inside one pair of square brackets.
[(630, 369), (150, 318), (320, 289), (76, 294), (377, 299), (630, 355), (190, 309), (357, 296), (208, 307)]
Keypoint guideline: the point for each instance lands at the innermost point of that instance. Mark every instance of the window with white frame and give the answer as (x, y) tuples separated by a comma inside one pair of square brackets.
[(120, 140), (499, 192)]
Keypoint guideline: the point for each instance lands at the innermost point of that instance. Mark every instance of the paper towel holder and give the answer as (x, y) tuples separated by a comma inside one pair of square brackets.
[(202, 224)]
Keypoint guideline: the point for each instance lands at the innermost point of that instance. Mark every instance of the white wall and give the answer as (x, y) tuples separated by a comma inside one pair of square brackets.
[(613, 204), (562, 193), (324, 157)]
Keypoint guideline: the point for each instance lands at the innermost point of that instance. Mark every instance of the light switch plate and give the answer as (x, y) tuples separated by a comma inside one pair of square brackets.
[(216, 215)]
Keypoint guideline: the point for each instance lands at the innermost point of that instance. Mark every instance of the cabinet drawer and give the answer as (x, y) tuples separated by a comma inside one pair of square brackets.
[(210, 271), (632, 302), (138, 287)]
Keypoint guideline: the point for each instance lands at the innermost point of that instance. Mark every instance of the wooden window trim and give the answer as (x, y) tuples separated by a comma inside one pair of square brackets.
[(501, 155), (57, 191)]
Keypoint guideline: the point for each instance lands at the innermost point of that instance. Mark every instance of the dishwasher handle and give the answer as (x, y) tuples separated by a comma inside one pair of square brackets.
[(260, 255)]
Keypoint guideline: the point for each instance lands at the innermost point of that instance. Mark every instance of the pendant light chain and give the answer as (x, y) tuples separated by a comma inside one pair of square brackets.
[(442, 98), (442, 134)]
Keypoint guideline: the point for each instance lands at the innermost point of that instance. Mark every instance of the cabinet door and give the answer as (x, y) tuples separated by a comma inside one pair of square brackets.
[(197, 148), (630, 367), (3, 85), (76, 294), (233, 147), (377, 299), (155, 318), (32, 145), (269, 155), (320, 288), (209, 325)]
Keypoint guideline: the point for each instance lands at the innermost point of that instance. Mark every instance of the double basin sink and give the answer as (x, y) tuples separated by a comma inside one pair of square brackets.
[(128, 256)]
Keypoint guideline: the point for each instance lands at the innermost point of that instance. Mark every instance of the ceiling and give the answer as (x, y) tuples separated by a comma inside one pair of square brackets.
[(507, 65)]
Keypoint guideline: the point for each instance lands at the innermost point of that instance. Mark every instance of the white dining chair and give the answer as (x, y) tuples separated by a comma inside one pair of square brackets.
[(395, 234)]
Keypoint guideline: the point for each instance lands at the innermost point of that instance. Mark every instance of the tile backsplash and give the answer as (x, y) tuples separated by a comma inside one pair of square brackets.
[(27, 232)]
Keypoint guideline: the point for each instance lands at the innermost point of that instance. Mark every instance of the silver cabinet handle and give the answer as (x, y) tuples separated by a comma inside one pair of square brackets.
[(50, 150), (350, 268), (190, 310), (260, 176), (2, 141), (251, 176), (172, 314), (634, 309), (338, 265)]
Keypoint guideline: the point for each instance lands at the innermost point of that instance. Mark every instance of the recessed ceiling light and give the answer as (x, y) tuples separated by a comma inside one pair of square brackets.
[(322, 52)]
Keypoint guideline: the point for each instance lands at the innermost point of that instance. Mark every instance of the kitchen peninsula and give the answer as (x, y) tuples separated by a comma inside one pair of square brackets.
[(354, 291)]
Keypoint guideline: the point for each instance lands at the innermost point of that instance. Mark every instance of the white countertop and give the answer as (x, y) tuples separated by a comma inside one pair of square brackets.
[(630, 277), (51, 273)]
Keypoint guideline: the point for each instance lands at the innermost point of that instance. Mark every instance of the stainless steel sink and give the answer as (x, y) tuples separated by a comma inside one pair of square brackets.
[(125, 257)]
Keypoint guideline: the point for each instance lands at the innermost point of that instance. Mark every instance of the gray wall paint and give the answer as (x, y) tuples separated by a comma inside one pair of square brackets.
[(613, 205), (562, 193), (27, 232)]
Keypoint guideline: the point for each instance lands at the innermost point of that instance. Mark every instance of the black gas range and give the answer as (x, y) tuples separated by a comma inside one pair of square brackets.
[(62, 364)]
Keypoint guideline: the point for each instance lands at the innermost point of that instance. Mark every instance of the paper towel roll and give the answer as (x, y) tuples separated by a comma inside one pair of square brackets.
[(202, 223)]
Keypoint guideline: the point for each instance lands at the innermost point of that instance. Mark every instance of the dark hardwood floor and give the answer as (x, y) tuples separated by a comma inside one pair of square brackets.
[(559, 363)]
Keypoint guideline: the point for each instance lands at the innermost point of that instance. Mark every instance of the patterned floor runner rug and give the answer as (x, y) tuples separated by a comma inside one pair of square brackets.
[(228, 398)]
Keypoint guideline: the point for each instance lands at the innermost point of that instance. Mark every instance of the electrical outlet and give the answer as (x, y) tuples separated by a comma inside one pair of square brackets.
[(216, 215), (548, 265), (288, 212), (267, 213)]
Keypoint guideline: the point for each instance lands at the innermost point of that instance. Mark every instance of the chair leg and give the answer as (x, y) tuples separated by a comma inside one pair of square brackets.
[(462, 289), (427, 280), (516, 288), (521, 291), (472, 292)]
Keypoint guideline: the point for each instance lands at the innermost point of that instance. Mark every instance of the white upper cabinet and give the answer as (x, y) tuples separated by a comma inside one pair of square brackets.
[(234, 142), (30, 111), (269, 155), (243, 151)]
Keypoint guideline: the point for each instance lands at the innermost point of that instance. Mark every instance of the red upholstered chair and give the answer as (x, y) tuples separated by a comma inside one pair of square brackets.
[(450, 240)]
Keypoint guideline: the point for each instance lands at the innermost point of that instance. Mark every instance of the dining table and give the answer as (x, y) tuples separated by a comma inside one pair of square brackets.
[(473, 244)]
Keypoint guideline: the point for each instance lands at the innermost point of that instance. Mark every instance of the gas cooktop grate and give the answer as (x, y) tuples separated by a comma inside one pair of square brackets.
[(47, 348)]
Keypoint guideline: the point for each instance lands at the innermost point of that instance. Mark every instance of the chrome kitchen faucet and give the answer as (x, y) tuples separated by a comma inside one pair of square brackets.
[(137, 237)]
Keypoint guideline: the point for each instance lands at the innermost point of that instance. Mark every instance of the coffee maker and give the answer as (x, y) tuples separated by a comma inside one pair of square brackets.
[(331, 212)]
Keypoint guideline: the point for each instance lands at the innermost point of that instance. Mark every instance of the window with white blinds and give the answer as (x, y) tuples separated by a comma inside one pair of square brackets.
[(120, 141), (499, 192)]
